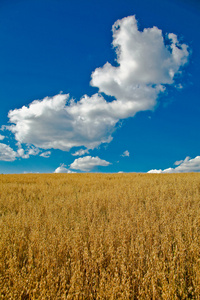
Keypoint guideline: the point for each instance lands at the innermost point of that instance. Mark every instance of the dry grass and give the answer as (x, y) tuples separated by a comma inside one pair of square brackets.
[(100, 236)]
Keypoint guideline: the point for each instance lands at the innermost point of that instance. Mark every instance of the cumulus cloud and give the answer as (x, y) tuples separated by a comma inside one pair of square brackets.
[(125, 153), (46, 154), (30, 150), (33, 151), (2, 137), (60, 123), (184, 166), (178, 162), (7, 153), (63, 169), (80, 152), (145, 65), (87, 163)]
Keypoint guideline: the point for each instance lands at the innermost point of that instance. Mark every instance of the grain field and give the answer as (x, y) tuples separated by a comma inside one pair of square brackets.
[(100, 236)]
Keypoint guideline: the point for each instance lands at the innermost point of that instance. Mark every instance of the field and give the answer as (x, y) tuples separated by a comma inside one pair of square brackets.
[(100, 236)]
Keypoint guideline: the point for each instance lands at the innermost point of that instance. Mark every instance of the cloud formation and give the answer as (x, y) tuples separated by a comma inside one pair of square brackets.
[(46, 154), (184, 166), (7, 153), (63, 169), (145, 65), (80, 152), (25, 153), (59, 123), (125, 153), (87, 163)]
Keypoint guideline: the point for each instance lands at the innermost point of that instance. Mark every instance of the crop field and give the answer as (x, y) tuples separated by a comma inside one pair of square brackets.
[(100, 236)]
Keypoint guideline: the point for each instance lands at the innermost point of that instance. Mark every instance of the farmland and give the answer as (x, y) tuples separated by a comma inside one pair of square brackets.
[(100, 236)]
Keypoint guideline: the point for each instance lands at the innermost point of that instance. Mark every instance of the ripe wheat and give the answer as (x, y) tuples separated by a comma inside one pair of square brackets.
[(100, 236)]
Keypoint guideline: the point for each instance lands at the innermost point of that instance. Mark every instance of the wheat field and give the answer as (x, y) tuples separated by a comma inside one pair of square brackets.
[(100, 236)]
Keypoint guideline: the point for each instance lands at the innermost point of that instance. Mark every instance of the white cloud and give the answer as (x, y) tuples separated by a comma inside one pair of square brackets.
[(125, 153), (30, 150), (7, 153), (20, 152), (155, 171), (87, 163), (80, 152), (62, 169), (178, 162), (33, 151), (62, 124), (186, 165), (46, 154), (2, 137), (145, 64)]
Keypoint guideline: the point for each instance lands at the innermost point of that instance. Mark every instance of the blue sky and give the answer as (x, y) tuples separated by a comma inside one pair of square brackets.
[(99, 86)]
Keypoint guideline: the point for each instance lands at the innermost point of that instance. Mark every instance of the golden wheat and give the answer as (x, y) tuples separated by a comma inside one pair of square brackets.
[(100, 236)]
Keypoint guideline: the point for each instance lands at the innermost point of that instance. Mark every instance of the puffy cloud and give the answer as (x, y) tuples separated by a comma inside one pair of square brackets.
[(62, 124), (186, 165), (7, 153), (155, 171), (178, 162), (125, 153), (145, 65), (189, 165), (80, 152), (62, 169), (31, 150), (87, 163), (46, 154), (2, 137)]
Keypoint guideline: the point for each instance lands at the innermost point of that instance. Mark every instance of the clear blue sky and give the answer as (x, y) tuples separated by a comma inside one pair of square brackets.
[(134, 111)]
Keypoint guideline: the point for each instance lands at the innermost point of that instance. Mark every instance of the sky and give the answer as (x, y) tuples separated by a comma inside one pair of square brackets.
[(99, 86)]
